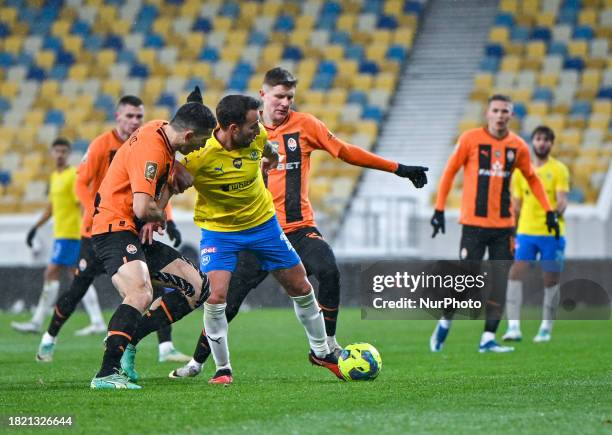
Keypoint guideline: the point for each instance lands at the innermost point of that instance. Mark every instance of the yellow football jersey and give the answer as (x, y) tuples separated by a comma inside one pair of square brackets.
[(532, 220), (232, 195), (65, 205)]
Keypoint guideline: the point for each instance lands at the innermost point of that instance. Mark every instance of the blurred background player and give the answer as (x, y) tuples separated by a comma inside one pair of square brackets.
[(64, 208), (488, 156), (128, 208), (129, 116), (532, 237), (296, 135)]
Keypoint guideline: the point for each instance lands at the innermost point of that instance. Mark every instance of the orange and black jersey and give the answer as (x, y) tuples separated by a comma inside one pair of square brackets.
[(143, 164), (488, 163), (296, 138)]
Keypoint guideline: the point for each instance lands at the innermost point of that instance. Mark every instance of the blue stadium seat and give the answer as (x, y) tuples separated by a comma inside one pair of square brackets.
[(520, 110), (605, 93), (495, 50), (55, 116), (258, 38), (58, 72), (576, 63), (209, 54), (519, 34), (374, 113), (331, 7), (6, 59), (25, 59), (327, 67), (104, 102), (113, 41), (583, 32), (230, 9), (126, 56), (244, 68), (5, 177), (291, 52), (557, 47), (541, 33), (4, 30), (201, 24), (327, 22), (154, 40), (489, 64), (576, 195), (93, 42), (148, 12), (581, 108), (36, 73), (368, 67), (175, 2), (284, 23), (396, 52), (413, 6), (387, 22), (139, 70), (567, 16), (340, 37), (80, 28), (64, 57), (4, 105), (504, 19), (357, 97), (354, 52), (166, 99), (542, 94), (239, 82), (51, 42), (193, 82), (80, 145), (322, 81)]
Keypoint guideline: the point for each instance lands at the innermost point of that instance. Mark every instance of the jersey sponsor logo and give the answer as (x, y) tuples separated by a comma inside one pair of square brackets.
[(254, 155), (237, 186), (314, 235), (219, 168), (210, 250), (131, 249), (205, 259), (292, 144), (497, 170), (150, 170), (82, 264), (288, 166), (237, 163), (510, 155)]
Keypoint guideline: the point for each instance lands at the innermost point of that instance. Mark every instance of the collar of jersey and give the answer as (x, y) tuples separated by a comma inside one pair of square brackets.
[(274, 127)]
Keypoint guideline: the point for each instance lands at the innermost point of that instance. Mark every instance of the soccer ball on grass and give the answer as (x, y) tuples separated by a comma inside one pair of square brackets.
[(359, 362)]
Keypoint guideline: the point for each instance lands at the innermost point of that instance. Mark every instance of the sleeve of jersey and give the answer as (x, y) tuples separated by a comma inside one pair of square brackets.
[(515, 185), (563, 182), (535, 184), (144, 169), (456, 160), (357, 156), (85, 171), (323, 138)]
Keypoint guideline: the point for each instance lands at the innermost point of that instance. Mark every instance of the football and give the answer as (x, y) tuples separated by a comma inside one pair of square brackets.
[(360, 362)]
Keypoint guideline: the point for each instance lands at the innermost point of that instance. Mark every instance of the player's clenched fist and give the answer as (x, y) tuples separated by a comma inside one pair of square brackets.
[(181, 179), (416, 174)]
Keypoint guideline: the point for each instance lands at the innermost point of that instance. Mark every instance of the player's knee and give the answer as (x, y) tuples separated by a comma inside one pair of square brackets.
[(329, 273), (299, 287), (216, 297), (141, 299)]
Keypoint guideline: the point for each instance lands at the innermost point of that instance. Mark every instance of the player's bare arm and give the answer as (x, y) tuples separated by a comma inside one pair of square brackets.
[(269, 158), (40, 222)]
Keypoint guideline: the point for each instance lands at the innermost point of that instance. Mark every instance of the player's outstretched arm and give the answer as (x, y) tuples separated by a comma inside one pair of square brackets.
[(269, 158), (40, 222)]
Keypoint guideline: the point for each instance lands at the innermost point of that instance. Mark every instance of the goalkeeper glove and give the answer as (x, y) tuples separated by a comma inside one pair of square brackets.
[(416, 174), (30, 236), (438, 222), (552, 223), (173, 233), (195, 96)]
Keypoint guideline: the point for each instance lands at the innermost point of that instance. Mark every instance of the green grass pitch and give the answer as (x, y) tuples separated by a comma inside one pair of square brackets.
[(564, 386)]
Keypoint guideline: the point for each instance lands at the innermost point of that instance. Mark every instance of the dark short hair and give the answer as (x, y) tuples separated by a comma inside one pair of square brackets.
[(280, 76), (193, 116), (233, 109), (130, 100), (61, 141), (545, 130), (499, 97)]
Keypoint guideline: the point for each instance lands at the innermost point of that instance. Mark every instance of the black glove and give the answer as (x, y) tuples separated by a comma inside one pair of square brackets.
[(30, 236), (416, 174), (195, 96), (173, 233), (552, 223), (437, 222)]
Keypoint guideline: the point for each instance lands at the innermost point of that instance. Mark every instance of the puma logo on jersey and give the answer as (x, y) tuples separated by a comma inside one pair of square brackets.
[(220, 169)]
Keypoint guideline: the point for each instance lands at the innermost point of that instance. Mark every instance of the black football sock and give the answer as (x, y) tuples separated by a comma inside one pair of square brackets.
[(164, 334), (67, 303), (202, 350), (121, 328), (173, 307)]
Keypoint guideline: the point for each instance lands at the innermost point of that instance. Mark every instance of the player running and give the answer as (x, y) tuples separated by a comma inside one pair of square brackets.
[(129, 208), (533, 238), (64, 208), (488, 156), (296, 135), (129, 116)]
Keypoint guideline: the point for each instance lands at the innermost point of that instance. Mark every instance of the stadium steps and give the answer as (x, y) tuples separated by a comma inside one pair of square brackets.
[(421, 125)]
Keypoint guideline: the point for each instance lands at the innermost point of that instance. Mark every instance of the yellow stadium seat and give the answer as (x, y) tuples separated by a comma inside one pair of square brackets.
[(385, 81), (546, 19), (483, 81), (106, 56), (578, 123), (499, 34), (147, 56), (304, 22), (571, 137), (586, 93), (77, 116), (530, 7), (368, 127), (382, 37), (162, 25), (333, 52), (112, 88), (272, 52), (270, 9), (555, 121), (510, 64), (522, 95), (539, 108), (307, 67), (591, 78), (347, 67), (599, 121), (393, 7), (8, 14), (514, 48), (73, 44), (404, 36), (549, 80), (578, 47), (510, 6), (45, 59), (13, 44), (182, 69), (222, 24), (536, 49), (376, 52), (34, 117), (587, 16), (61, 28), (231, 53), (346, 23), (49, 89), (159, 112), (532, 63), (336, 97), (602, 107), (314, 97), (78, 72), (201, 70), (299, 38), (525, 20), (468, 123)]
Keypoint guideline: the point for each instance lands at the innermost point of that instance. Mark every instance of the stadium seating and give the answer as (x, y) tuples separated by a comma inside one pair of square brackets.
[(63, 64), (553, 58)]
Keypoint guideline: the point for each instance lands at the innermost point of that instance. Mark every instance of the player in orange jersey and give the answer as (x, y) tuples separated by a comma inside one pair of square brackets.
[(488, 156), (297, 135), (129, 116)]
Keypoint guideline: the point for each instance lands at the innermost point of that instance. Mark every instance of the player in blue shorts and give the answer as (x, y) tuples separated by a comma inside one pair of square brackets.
[(533, 240), (236, 213), (64, 207)]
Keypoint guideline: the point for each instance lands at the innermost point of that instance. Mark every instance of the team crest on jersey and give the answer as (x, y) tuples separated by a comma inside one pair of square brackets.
[(150, 170), (237, 163), (82, 264), (131, 249), (254, 155), (497, 154), (205, 260), (292, 144)]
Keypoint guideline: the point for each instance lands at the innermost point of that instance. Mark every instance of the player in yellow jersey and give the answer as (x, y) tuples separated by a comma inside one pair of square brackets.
[(533, 237), (236, 213), (65, 209)]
